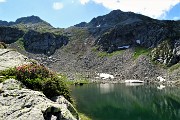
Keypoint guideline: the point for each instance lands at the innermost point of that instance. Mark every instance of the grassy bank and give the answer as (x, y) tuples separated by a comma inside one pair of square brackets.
[(84, 117)]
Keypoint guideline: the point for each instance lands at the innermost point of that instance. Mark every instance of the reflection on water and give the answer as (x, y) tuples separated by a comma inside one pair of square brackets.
[(105, 88), (121, 102), (134, 84), (160, 87)]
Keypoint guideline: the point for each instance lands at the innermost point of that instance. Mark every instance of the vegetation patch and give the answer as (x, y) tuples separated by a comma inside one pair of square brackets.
[(79, 80), (20, 43), (3, 45), (37, 77), (140, 51), (84, 117), (174, 67), (103, 54)]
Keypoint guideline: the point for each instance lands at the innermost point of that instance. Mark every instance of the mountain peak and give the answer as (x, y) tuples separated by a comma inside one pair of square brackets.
[(29, 19), (117, 17)]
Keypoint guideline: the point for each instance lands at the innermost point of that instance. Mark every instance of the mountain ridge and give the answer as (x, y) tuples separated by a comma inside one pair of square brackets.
[(29, 20), (116, 37)]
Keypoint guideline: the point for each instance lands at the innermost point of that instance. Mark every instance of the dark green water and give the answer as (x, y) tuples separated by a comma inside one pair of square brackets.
[(121, 102)]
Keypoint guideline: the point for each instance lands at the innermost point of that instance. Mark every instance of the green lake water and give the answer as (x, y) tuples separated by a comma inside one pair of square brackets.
[(122, 102)]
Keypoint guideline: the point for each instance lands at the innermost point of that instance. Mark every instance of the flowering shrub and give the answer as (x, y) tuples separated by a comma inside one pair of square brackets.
[(38, 77), (33, 71)]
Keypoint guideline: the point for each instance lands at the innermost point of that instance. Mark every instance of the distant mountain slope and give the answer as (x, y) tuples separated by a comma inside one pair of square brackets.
[(124, 44), (121, 30), (28, 21)]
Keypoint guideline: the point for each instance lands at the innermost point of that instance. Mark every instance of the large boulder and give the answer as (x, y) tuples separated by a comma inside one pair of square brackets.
[(11, 58), (19, 103)]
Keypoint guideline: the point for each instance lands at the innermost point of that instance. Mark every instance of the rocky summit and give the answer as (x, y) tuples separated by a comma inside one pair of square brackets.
[(123, 44)]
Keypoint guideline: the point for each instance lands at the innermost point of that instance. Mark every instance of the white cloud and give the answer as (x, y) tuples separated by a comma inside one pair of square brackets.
[(57, 5), (176, 18), (2, 1), (84, 1), (152, 8)]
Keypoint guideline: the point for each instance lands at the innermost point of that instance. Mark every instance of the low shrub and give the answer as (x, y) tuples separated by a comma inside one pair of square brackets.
[(38, 77), (3, 45)]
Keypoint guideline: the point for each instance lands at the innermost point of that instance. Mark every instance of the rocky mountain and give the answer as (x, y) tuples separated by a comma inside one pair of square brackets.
[(30, 20), (112, 43), (120, 30)]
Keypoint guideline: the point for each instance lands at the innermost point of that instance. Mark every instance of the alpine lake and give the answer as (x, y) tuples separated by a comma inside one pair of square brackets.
[(127, 101)]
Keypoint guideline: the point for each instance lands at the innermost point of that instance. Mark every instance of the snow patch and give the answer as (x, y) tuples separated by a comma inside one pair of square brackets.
[(134, 81), (124, 47), (98, 26), (105, 76), (138, 41), (161, 79), (161, 87)]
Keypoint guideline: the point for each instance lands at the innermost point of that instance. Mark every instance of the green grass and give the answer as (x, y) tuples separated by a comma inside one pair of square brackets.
[(140, 51), (78, 79), (72, 82), (2, 79), (174, 67), (20, 43), (84, 117)]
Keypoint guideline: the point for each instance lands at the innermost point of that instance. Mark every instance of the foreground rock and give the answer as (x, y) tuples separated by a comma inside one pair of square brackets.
[(19, 103), (11, 58)]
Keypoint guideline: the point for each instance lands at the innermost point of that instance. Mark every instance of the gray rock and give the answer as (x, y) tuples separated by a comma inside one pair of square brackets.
[(11, 58), (18, 103), (46, 43)]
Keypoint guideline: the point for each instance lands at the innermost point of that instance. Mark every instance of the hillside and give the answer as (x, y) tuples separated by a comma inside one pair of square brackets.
[(123, 44)]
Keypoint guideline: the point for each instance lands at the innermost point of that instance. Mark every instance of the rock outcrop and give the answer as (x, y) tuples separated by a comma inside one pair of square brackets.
[(11, 58), (46, 43), (9, 34), (19, 103), (118, 29), (167, 53)]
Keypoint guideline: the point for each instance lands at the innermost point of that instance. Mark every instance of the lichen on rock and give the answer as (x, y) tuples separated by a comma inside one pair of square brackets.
[(20, 103)]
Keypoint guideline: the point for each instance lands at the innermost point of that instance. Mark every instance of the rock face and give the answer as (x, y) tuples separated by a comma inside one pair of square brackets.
[(19, 103), (10, 35), (43, 42), (168, 52), (11, 58), (118, 29)]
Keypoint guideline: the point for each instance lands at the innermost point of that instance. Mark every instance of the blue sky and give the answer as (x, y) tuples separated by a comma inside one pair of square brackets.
[(65, 13)]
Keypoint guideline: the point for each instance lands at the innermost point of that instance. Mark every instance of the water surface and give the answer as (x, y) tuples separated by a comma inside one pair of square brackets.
[(121, 102)]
